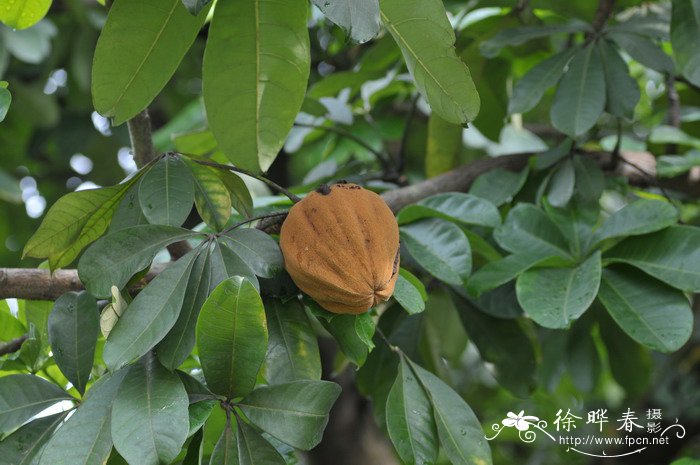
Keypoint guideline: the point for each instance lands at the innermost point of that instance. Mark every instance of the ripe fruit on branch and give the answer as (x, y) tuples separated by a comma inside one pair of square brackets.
[(341, 247)]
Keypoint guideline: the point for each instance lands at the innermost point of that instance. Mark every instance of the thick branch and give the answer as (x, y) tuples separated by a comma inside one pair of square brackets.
[(12, 346), (638, 167), (603, 14)]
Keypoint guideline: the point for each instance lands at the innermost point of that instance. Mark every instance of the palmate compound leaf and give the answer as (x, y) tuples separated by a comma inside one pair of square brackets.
[(115, 258), (241, 444), (262, 48), (150, 316), (427, 43), (232, 337), (73, 327), (137, 53), (296, 413), (150, 420)]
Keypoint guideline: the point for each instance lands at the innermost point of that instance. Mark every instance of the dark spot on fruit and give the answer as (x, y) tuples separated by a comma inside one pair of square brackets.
[(324, 189)]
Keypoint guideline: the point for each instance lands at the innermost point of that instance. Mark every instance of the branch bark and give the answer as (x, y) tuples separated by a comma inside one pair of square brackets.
[(12, 346), (638, 167)]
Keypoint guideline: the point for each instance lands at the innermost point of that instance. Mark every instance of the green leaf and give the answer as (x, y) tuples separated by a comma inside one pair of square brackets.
[(177, 345), (582, 358), (443, 147), (232, 337), (5, 101), (669, 166), (561, 186), (264, 49), (137, 53), (194, 448), (554, 297), (21, 14), (644, 50), (10, 327), (150, 316), (590, 180), (622, 90), (195, 6), (211, 196), (254, 449), (295, 413), (528, 91), (576, 223), (292, 349), (409, 419), (499, 272), (685, 35), (528, 228), (353, 333), (241, 200), (24, 446), (460, 433), (649, 311), (639, 217), (166, 192), (580, 97), (519, 35), (23, 396), (74, 325), (257, 249), (128, 212), (115, 258), (503, 344), (86, 438), (439, 247), (149, 415), (427, 43), (499, 186), (409, 292), (358, 18), (226, 448), (663, 134), (74, 221), (457, 207), (671, 255), (225, 264)]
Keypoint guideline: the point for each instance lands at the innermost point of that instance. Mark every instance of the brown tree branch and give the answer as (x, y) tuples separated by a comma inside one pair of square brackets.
[(638, 167), (13, 345)]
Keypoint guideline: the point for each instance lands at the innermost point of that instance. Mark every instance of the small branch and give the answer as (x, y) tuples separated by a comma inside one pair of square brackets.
[(293, 197), (602, 15), (13, 345), (348, 135), (255, 218), (141, 138)]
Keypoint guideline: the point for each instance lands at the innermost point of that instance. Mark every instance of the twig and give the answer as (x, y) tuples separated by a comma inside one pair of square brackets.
[(12, 346), (602, 15), (255, 218), (293, 197), (674, 109), (348, 135)]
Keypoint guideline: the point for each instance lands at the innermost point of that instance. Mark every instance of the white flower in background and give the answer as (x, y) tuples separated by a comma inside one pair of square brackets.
[(520, 421)]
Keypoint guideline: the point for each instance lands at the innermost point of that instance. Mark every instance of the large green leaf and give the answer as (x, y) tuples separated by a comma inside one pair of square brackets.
[(409, 419), (21, 14), (177, 345), (460, 433), (581, 356), (503, 344), (292, 349), (256, 67), (86, 438), (257, 249), (439, 247), (225, 264), (466, 209), (409, 292), (23, 396), (427, 43), (561, 184), (554, 297), (499, 186), (129, 212), (528, 91), (115, 258), (226, 448), (74, 325), (671, 255), (150, 316), (353, 333), (254, 449), (241, 200), (443, 146), (644, 50), (576, 222), (685, 36), (358, 18), (74, 221), (24, 446), (150, 421), (232, 337), (296, 413), (622, 89), (137, 53), (519, 35), (649, 311), (580, 97), (166, 192), (528, 228), (211, 196), (499, 272), (639, 217)]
